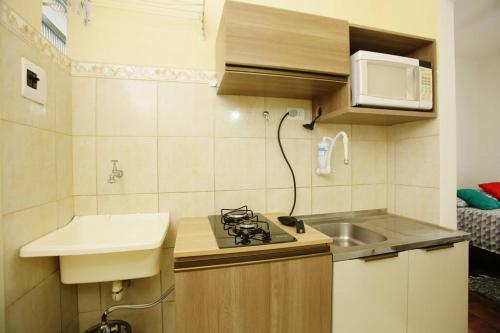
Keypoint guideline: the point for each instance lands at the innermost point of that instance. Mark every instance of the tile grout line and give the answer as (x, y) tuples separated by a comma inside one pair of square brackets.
[(96, 90), (158, 147)]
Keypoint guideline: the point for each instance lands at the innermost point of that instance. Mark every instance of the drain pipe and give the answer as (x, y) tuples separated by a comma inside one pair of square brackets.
[(117, 289)]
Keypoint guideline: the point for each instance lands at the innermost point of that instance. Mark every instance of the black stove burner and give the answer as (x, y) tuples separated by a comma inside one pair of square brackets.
[(242, 227), (235, 216)]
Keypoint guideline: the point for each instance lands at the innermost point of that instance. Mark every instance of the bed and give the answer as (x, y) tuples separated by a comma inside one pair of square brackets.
[(483, 226)]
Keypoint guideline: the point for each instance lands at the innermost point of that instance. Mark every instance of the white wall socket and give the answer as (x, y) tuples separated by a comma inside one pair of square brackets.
[(33, 82), (296, 113)]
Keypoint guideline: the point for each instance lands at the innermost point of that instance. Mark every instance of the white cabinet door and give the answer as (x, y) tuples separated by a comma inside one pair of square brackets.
[(437, 289), (370, 296)]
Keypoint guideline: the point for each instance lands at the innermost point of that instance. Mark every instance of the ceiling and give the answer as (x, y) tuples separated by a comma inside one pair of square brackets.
[(477, 28)]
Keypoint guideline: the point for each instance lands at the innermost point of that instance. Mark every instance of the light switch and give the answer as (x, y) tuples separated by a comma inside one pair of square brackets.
[(33, 82)]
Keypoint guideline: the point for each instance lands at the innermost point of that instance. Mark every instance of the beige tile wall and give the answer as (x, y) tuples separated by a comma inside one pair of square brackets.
[(186, 150), (37, 190), (413, 164)]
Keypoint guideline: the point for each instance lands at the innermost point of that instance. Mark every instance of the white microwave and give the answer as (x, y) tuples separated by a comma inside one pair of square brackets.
[(385, 80)]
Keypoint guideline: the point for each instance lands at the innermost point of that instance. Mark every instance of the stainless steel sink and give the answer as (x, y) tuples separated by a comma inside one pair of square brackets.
[(349, 234)]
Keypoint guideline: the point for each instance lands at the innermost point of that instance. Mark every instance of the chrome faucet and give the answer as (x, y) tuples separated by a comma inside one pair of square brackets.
[(115, 173)]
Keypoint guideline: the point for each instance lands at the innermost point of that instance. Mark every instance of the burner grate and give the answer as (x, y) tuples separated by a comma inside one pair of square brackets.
[(245, 226)]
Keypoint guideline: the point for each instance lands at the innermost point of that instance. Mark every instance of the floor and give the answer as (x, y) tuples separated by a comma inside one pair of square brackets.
[(484, 315)]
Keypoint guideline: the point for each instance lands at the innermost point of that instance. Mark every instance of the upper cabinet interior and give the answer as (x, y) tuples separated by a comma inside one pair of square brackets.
[(337, 105), (264, 51)]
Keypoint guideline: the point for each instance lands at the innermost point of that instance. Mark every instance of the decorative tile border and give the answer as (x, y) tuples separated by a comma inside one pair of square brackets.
[(15, 23), (116, 71)]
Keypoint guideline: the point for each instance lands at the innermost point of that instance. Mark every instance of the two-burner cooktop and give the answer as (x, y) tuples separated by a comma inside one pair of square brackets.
[(242, 227)]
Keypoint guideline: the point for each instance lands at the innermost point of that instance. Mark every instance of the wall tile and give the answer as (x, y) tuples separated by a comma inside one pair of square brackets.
[(85, 205), (84, 165), (28, 167), (417, 162), (239, 116), (232, 160), (20, 228), (369, 197), (168, 317), (38, 311), (331, 199), (186, 164), (181, 205), (324, 129), (13, 106), (281, 200), (167, 271), (417, 202), (69, 304), (127, 203), (88, 319), (391, 198), (65, 211), (369, 133), (73, 326), (137, 157), (126, 107), (64, 165), (83, 105), (63, 101), (391, 162), (255, 199), (89, 297), (277, 107), (415, 129), (298, 152), (369, 162), (185, 109)]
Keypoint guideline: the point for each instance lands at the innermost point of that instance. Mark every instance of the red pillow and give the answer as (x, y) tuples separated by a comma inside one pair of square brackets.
[(492, 189)]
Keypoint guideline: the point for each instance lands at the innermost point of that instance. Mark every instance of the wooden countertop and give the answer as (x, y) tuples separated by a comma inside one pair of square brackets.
[(195, 238)]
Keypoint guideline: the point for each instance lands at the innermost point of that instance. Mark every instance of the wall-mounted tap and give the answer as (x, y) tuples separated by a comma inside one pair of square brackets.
[(325, 148), (115, 173)]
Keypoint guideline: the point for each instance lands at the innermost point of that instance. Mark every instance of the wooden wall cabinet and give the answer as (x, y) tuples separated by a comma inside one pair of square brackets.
[(419, 291), (286, 296), (266, 51)]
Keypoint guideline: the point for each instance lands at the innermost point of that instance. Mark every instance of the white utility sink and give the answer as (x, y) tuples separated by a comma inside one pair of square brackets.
[(101, 248)]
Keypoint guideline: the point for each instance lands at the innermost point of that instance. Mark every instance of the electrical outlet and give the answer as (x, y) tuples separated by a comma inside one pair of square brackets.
[(33, 82), (296, 113)]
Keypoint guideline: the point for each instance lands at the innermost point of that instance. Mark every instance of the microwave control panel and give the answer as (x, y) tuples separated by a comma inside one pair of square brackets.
[(425, 78)]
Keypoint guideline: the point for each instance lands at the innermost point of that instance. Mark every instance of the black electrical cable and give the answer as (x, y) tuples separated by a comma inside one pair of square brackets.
[(288, 163)]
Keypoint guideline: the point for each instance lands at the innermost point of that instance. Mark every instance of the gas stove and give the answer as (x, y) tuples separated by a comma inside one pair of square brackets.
[(242, 227)]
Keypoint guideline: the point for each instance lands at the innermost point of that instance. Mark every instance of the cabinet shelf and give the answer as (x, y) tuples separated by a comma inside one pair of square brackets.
[(374, 116), (336, 105)]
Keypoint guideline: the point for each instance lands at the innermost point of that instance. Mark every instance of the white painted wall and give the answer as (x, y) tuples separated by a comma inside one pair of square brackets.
[(478, 120), (477, 91)]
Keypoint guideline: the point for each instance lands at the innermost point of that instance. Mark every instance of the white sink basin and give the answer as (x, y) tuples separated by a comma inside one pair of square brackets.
[(101, 248)]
